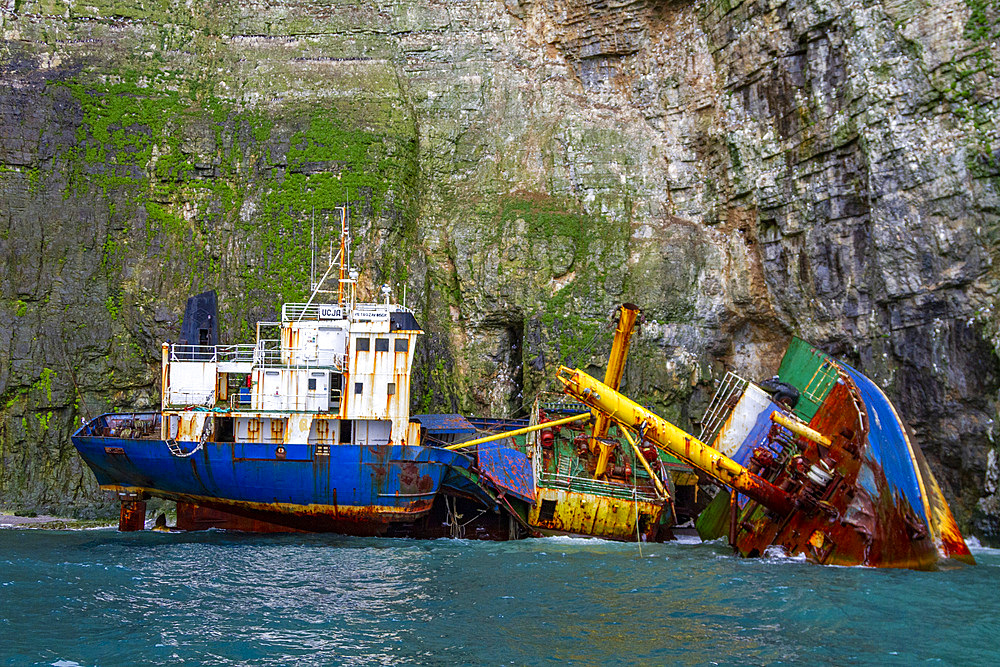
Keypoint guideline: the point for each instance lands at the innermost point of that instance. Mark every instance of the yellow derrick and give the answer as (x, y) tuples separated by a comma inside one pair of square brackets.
[(520, 431), (668, 437), (627, 315)]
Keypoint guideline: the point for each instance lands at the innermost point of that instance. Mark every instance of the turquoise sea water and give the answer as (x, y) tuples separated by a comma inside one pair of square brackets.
[(104, 598)]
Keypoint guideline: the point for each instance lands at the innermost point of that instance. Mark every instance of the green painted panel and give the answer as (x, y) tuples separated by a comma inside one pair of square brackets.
[(713, 522), (811, 372)]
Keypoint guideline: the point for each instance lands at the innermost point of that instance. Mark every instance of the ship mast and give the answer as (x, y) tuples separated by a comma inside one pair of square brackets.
[(343, 254), (342, 261)]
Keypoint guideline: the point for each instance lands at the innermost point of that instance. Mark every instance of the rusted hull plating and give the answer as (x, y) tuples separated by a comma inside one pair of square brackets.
[(561, 512), (351, 489), (858, 500), (873, 511), (435, 524), (132, 516), (855, 519)]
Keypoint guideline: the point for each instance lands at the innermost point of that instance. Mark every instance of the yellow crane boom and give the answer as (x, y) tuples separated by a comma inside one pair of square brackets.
[(668, 437), (627, 316)]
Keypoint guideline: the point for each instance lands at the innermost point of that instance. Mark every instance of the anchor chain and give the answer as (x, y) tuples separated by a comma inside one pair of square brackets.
[(206, 433)]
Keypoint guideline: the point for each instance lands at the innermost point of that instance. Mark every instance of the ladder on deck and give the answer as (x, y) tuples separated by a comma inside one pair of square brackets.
[(564, 467), (722, 405)]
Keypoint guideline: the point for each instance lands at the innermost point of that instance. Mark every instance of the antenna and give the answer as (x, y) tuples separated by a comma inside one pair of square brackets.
[(340, 261), (343, 246), (354, 287), (347, 228)]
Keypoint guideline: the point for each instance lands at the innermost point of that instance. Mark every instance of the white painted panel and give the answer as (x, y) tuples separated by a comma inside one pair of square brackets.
[(192, 383), (332, 342), (271, 394), (248, 429), (324, 431), (318, 398), (242, 429), (266, 432), (742, 419), (191, 425), (372, 431), (309, 345), (362, 365), (298, 428)]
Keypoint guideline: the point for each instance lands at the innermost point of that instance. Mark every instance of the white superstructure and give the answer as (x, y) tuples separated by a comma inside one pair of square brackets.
[(329, 374)]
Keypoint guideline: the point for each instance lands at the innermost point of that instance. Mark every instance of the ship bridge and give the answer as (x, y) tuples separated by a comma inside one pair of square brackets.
[(324, 373)]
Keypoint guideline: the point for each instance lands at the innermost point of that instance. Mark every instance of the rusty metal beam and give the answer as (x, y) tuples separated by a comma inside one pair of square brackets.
[(668, 437), (627, 316), (520, 431), (645, 463)]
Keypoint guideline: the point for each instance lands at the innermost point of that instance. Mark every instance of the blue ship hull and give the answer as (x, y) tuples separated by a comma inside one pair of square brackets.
[(354, 489)]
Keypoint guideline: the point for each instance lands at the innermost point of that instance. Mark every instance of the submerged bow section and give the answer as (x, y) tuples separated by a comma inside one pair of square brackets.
[(819, 465)]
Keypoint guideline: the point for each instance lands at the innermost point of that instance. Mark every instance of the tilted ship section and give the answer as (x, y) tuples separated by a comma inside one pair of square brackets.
[(816, 462), (591, 477)]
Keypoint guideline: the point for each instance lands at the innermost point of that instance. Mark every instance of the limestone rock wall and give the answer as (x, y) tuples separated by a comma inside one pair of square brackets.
[(744, 171)]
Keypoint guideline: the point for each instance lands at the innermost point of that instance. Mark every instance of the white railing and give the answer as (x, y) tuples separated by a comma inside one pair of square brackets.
[(212, 353), (240, 354), (297, 402), (267, 353), (722, 405), (594, 486), (203, 353)]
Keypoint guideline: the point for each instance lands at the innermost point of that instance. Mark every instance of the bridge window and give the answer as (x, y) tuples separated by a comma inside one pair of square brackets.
[(402, 344), (359, 387), (381, 344), (363, 344), (391, 389)]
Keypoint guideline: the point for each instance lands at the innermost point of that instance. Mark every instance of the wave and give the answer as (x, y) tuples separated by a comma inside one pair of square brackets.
[(977, 548)]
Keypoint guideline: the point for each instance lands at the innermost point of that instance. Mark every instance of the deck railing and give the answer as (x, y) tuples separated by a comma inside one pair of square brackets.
[(212, 353), (722, 405), (243, 400), (267, 353), (594, 486)]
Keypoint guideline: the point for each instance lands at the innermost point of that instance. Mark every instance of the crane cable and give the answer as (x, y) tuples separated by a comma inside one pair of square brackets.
[(566, 359)]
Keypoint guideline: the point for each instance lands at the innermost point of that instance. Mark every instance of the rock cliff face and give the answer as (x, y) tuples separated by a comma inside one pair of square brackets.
[(745, 171)]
